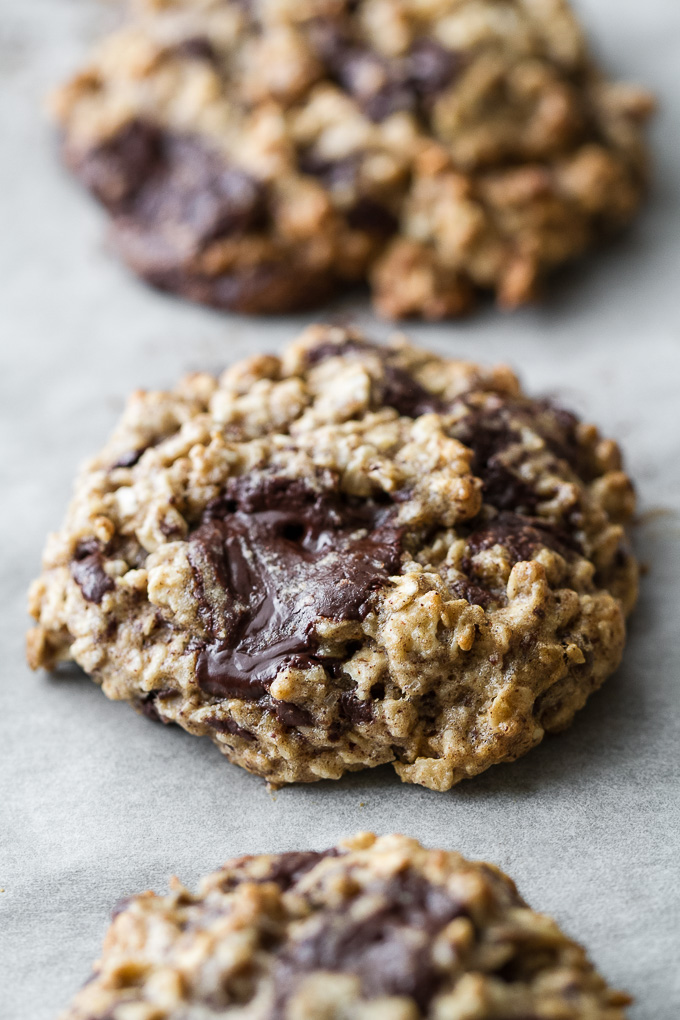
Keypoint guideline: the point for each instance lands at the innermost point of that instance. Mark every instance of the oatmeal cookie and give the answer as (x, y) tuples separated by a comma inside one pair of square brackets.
[(349, 555), (258, 156), (374, 929)]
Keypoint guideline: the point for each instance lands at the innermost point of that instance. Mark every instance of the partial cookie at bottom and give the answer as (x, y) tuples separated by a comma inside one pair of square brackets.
[(374, 929)]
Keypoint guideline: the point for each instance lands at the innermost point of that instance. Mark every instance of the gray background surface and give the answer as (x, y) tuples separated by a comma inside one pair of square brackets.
[(96, 802)]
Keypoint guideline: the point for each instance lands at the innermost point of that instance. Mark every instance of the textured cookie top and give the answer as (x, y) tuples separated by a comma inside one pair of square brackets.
[(375, 929), (257, 155), (347, 555)]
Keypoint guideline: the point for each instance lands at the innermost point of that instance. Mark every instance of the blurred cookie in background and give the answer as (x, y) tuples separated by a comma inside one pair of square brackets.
[(261, 156)]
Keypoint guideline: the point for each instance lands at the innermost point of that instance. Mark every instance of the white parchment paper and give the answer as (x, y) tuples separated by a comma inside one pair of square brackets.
[(96, 802)]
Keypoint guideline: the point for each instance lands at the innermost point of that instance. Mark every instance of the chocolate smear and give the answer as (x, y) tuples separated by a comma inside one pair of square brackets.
[(272, 557)]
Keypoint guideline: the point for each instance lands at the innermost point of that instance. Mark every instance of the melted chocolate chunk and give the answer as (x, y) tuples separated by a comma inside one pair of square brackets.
[(289, 868), (359, 70), (487, 433), (561, 437), (290, 714), (173, 190), (196, 191), (334, 173), (342, 175), (503, 489), (148, 704), (521, 536), (262, 289), (389, 950), (382, 87), (115, 170), (355, 710), (393, 96), (129, 459), (315, 355), (401, 391), (285, 869), (198, 47), (270, 559), (87, 570), (431, 67), (371, 216), (229, 726), (398, 390), (472, 593)]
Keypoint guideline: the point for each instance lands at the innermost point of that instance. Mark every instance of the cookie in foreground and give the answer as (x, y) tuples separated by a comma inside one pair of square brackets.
[(374, 929), (349, 555), (260, 156)]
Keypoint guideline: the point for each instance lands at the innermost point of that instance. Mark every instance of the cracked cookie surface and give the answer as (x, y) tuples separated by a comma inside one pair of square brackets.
[(349, 555), (374, 929), (258, 156)]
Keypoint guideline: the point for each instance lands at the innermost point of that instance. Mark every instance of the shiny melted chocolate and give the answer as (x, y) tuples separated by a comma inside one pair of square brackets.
[(272, 557)]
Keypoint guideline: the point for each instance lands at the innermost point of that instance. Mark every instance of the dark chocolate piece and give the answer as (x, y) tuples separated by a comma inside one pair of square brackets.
[(149, 707), (270, 559), (197, 47), (379, 86), (560, 436), (87, 570), (382, 87), (229, 726), (115, 170), (333, 173), (291, 715), (288, 868), (378, 101), (194, 190), (172, 195), (521, 536), (355, 710), (263, 289), (350, 345), (487, 433), (285, 869), (371, 216), (380, 948), (472, 593), (399, 389), (129, 459), (432, 67)]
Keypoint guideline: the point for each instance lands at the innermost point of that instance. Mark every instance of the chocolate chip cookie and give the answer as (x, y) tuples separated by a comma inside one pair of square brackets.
[(259, 156), (348, 555), (375, 929)]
